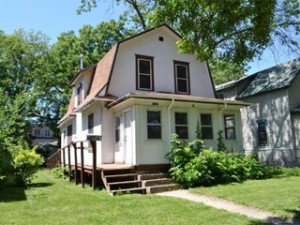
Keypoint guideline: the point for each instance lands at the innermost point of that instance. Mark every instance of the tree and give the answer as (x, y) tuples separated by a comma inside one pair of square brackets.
[(223, 72), (234, 31)]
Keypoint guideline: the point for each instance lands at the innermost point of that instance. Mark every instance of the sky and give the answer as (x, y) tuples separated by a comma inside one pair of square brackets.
[(53, 17)]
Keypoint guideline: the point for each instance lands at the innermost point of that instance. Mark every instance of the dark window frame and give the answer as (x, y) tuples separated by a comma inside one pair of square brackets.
[(117, 128), (227, 128), (204, 126), (183, 126), (79, 94), (138, 58), (187, 79), (91, 123), (262, 134), (69, 133), (154, 125), (47, 133)]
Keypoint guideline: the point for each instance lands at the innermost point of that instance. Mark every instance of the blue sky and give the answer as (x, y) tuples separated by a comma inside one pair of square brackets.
[(53, 17)]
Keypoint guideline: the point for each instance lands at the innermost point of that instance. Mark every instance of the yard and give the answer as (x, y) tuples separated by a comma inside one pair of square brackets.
[(278, 195), (51, 201)]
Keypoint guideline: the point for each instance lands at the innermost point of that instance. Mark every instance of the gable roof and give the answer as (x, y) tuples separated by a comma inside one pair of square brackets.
[(297, 109), (274, 78)]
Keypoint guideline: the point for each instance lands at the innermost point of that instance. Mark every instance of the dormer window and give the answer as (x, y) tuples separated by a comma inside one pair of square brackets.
[(182, 77), (144, 73), (79, 94)]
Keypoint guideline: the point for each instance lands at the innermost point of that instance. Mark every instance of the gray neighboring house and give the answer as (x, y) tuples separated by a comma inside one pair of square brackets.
[(271, 124)]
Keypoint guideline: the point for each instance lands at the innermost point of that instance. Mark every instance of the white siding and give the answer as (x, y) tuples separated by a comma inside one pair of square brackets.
[(123, 80), (296, 126)]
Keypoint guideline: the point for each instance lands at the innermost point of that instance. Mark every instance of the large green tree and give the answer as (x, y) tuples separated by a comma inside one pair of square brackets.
[(227, 31)]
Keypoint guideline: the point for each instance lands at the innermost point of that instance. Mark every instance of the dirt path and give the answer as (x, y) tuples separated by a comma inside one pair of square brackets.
[(231, 207)]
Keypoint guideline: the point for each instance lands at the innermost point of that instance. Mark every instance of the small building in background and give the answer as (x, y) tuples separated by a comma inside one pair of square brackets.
[(43, 135)]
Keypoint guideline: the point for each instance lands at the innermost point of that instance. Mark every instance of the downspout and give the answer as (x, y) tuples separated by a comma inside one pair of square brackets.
[(220, 113), (169, 123)]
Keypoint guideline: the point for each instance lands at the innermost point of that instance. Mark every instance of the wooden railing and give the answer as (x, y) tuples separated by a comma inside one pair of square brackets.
[(63, 157)]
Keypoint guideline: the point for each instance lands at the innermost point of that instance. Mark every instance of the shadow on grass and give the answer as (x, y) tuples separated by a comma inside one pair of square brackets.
[(256, 222), (37, 185), (296, 214), (12, 193)]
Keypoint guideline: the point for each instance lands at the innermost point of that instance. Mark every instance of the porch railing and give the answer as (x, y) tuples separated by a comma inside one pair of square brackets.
[(75, 161)]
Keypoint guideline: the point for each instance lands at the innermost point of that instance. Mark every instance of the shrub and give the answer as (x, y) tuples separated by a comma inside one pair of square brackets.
[(26, 162), (191, 169), (59, 172)]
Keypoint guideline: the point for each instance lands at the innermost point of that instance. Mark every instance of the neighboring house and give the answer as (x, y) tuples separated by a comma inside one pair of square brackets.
[(42, 135), (271, 124), (139, 93)]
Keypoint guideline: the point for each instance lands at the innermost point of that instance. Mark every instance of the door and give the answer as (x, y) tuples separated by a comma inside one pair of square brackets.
[(127, 138)]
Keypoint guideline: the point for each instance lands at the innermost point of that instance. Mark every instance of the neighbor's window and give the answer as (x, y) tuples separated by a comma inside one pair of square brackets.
[(181, 125), (91, 123), (229, 126), (262, 132), (79, 94), (182, 83), (144, 73), (47, 133), (153, 124), (117, 128), (36, 132), (206, 126)]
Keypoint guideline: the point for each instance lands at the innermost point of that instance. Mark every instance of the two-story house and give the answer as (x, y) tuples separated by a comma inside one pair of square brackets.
[(42, 135), (271, 124), (140, 93)]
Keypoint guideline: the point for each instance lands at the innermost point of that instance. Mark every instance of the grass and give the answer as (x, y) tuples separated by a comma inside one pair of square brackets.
[(49, 201), (278, 195)]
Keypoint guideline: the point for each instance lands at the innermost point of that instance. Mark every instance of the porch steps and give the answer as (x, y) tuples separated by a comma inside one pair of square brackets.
[(127, 181)]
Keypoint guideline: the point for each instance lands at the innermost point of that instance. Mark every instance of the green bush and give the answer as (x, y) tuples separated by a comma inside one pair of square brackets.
[(59, 172), (191, 168), (26, 162)]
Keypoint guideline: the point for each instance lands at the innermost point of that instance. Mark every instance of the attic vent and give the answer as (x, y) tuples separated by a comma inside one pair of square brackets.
[(160, 38)]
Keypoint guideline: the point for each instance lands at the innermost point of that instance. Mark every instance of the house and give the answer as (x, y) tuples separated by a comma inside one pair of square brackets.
[(140, 93), (271, 124), (42, 135)]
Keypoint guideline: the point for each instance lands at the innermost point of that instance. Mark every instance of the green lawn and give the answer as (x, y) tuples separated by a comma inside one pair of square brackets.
[(279, 195), (51, 201)]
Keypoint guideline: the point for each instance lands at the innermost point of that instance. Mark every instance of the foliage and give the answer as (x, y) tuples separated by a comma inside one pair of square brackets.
[(192, 169), (223, 72), (295, 171), (221, 144), (26, 163), (59, 172)]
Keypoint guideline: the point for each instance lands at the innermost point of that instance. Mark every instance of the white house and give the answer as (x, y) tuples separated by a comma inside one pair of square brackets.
[(271, 124), (140, 93)]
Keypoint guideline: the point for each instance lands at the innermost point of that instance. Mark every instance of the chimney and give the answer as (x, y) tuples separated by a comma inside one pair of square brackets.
[(81, 61)]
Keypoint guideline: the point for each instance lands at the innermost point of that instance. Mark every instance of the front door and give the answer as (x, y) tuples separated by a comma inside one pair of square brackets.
[(127, 138)]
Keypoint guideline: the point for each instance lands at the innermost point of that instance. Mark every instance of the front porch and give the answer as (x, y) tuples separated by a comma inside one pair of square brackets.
[(114, 177)]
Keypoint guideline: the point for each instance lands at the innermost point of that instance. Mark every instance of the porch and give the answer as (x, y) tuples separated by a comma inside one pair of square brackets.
[(114, 177)]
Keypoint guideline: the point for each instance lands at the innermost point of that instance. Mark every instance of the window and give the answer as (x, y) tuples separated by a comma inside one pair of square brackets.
[(182, 83), (91, 123), (69, 133), (229, 126), (206, 126), (153, 125), (47, 133), (117, 128), (144, 71), (36, 132), (181, 125), (79, 94), (262, 132)]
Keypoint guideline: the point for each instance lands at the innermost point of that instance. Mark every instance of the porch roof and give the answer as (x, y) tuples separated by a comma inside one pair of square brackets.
[(176, 97)]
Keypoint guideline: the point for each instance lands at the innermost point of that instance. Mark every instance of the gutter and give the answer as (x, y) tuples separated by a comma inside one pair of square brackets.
[(220, 113)]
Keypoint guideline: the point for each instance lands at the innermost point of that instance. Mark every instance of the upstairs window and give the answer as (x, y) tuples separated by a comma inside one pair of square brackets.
[(181, 125), (153, 125), (47, 133), (91, 123), (36, 132), (182, 80), (79, 94), (229, 126), (262, 132), (117, 128), (206, 126), (69, 134), (144, 73)]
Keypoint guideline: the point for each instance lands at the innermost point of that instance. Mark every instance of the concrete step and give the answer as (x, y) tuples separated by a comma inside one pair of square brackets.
[(129, 190), (162, 188), (154, 182), (152, 176)]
